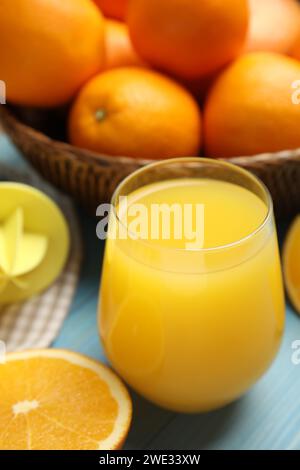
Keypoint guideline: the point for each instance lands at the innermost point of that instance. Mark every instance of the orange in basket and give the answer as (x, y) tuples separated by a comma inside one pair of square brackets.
[(250, 108), (138, 113), (119, 50), (188, 38), (274, 25), (49, 49)]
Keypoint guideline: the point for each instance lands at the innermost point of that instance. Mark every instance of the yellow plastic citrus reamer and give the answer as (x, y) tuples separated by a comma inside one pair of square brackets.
[(34, 241)]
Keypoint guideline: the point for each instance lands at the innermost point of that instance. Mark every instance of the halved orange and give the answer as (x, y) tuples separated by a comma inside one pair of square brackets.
[(60, 400), (291, 263)]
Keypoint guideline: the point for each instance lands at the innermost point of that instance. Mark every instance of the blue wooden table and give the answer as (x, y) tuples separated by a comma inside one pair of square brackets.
[(268, 417)]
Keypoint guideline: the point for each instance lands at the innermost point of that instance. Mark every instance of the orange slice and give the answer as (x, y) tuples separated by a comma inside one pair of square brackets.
[(60, 400), (291, 263)]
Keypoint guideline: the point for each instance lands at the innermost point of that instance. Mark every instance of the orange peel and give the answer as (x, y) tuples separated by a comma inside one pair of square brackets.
[(291, 263)]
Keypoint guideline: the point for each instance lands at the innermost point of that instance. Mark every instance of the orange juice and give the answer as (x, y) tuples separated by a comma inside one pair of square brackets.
[(192, 328)]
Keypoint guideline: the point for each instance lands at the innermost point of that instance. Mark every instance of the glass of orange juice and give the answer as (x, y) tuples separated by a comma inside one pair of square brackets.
[(191, 308)]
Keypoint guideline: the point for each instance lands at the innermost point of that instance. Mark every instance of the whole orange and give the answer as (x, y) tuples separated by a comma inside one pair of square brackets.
[(48, 49), (135, 112), (113, 8), (188, 38), (119, 50), (274, 25), (252, 107)]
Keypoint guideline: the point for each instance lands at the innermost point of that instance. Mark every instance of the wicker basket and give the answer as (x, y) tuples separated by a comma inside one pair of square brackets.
[(91, 178)]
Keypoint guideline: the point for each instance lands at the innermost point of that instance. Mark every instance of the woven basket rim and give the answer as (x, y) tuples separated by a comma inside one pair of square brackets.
[(88, 156)]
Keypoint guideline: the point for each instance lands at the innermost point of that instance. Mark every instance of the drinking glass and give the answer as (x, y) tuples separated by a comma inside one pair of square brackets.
[(191, 326)]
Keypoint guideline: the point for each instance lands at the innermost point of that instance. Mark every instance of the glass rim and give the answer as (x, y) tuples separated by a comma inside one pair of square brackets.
[(235, 168)]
